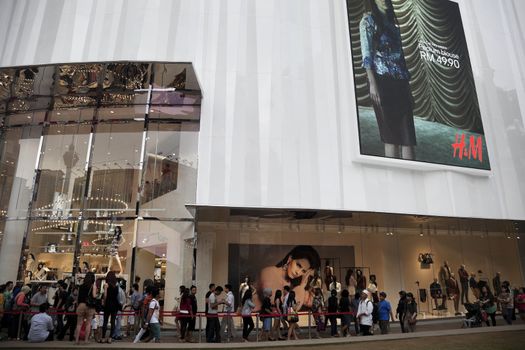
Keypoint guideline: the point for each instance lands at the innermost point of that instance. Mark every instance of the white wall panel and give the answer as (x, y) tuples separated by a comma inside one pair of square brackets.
[(278, 124)]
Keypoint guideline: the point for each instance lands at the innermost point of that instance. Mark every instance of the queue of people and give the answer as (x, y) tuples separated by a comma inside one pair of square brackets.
[(88, 311)]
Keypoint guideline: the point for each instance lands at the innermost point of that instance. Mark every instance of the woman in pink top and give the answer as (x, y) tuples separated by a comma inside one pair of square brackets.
[(520, 303)]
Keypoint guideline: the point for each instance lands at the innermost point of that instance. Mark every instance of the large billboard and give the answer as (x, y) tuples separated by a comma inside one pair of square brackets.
[(415, 92), (301, 267)]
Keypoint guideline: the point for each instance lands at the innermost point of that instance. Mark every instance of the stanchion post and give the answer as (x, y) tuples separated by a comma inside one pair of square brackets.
[(20, 317), (309, 326), (257, 327), (200, 328)]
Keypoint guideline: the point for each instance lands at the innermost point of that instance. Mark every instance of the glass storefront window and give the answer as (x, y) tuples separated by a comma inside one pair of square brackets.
[(79, 132), (170, 170), (115, 164), (62, 173)]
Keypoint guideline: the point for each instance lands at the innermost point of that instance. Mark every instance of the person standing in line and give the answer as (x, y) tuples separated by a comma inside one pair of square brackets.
[(135, 302), (61, 297), (410, 317), (284, 310), (463, 279), (211, 289), (317, 310), (19, 305), (194, 309), (364, 312), (402, 309), (345, 308), (41, 326), (122, 303), (186, 311), (488, 303), (39, 298), (332, 310), (293, 317), (246, 312), (507, 304), (214, 335), (520, 303), (266, 309), (7, 305), (277, 307), (229, 308), (85, 312), (110, 304), (153, 316), (71, 319), (385, 313)]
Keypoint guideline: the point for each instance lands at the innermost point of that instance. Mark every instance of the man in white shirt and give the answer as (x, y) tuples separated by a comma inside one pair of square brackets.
[(214, 334), (41, 326), (227, 320), (364, 312)]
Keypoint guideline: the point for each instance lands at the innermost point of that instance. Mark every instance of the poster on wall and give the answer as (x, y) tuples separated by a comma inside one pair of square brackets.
[(414, 86), (301, 267)]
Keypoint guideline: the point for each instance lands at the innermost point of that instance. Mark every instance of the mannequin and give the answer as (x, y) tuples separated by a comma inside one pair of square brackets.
[(244, 286), (372, 288), (85, 267), (316, 280), (30, 263), (463, 279), (41, 272), (113, 250), (436, 292), (361, 281), (351, 283), (334, 285), (444, 275), (453, 292), (328, 273)]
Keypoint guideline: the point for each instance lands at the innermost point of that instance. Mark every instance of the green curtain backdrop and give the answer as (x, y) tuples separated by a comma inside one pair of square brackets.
[(442, 94)]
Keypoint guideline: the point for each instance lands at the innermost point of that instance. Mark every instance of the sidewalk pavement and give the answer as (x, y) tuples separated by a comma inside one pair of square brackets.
[(170, 343)]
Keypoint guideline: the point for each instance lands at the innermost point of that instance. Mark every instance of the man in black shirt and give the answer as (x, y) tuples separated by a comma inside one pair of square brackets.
[(59, 302), (193, 297), (208, 321), (437, 293)]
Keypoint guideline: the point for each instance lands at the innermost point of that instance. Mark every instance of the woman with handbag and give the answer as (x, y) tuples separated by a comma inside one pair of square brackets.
[(411, 313), (111, 305), (488, 304), (293, 317), (246, 312), (186, 313), (277, 306), (87, 300)]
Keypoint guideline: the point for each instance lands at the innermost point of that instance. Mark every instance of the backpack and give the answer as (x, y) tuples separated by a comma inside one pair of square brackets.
[(9, 304), (121, 297)]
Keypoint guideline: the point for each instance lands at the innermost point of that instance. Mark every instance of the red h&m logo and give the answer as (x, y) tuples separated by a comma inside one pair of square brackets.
[(473, 150)]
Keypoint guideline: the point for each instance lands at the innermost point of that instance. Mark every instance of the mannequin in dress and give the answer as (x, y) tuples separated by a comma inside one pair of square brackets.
[(351, 283), (328, 273), (244, 286), (361, 281), (113, 250), (41, 272)]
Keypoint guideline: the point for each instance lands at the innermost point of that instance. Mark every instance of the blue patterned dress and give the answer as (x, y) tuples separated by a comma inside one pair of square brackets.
[(383, 55)]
